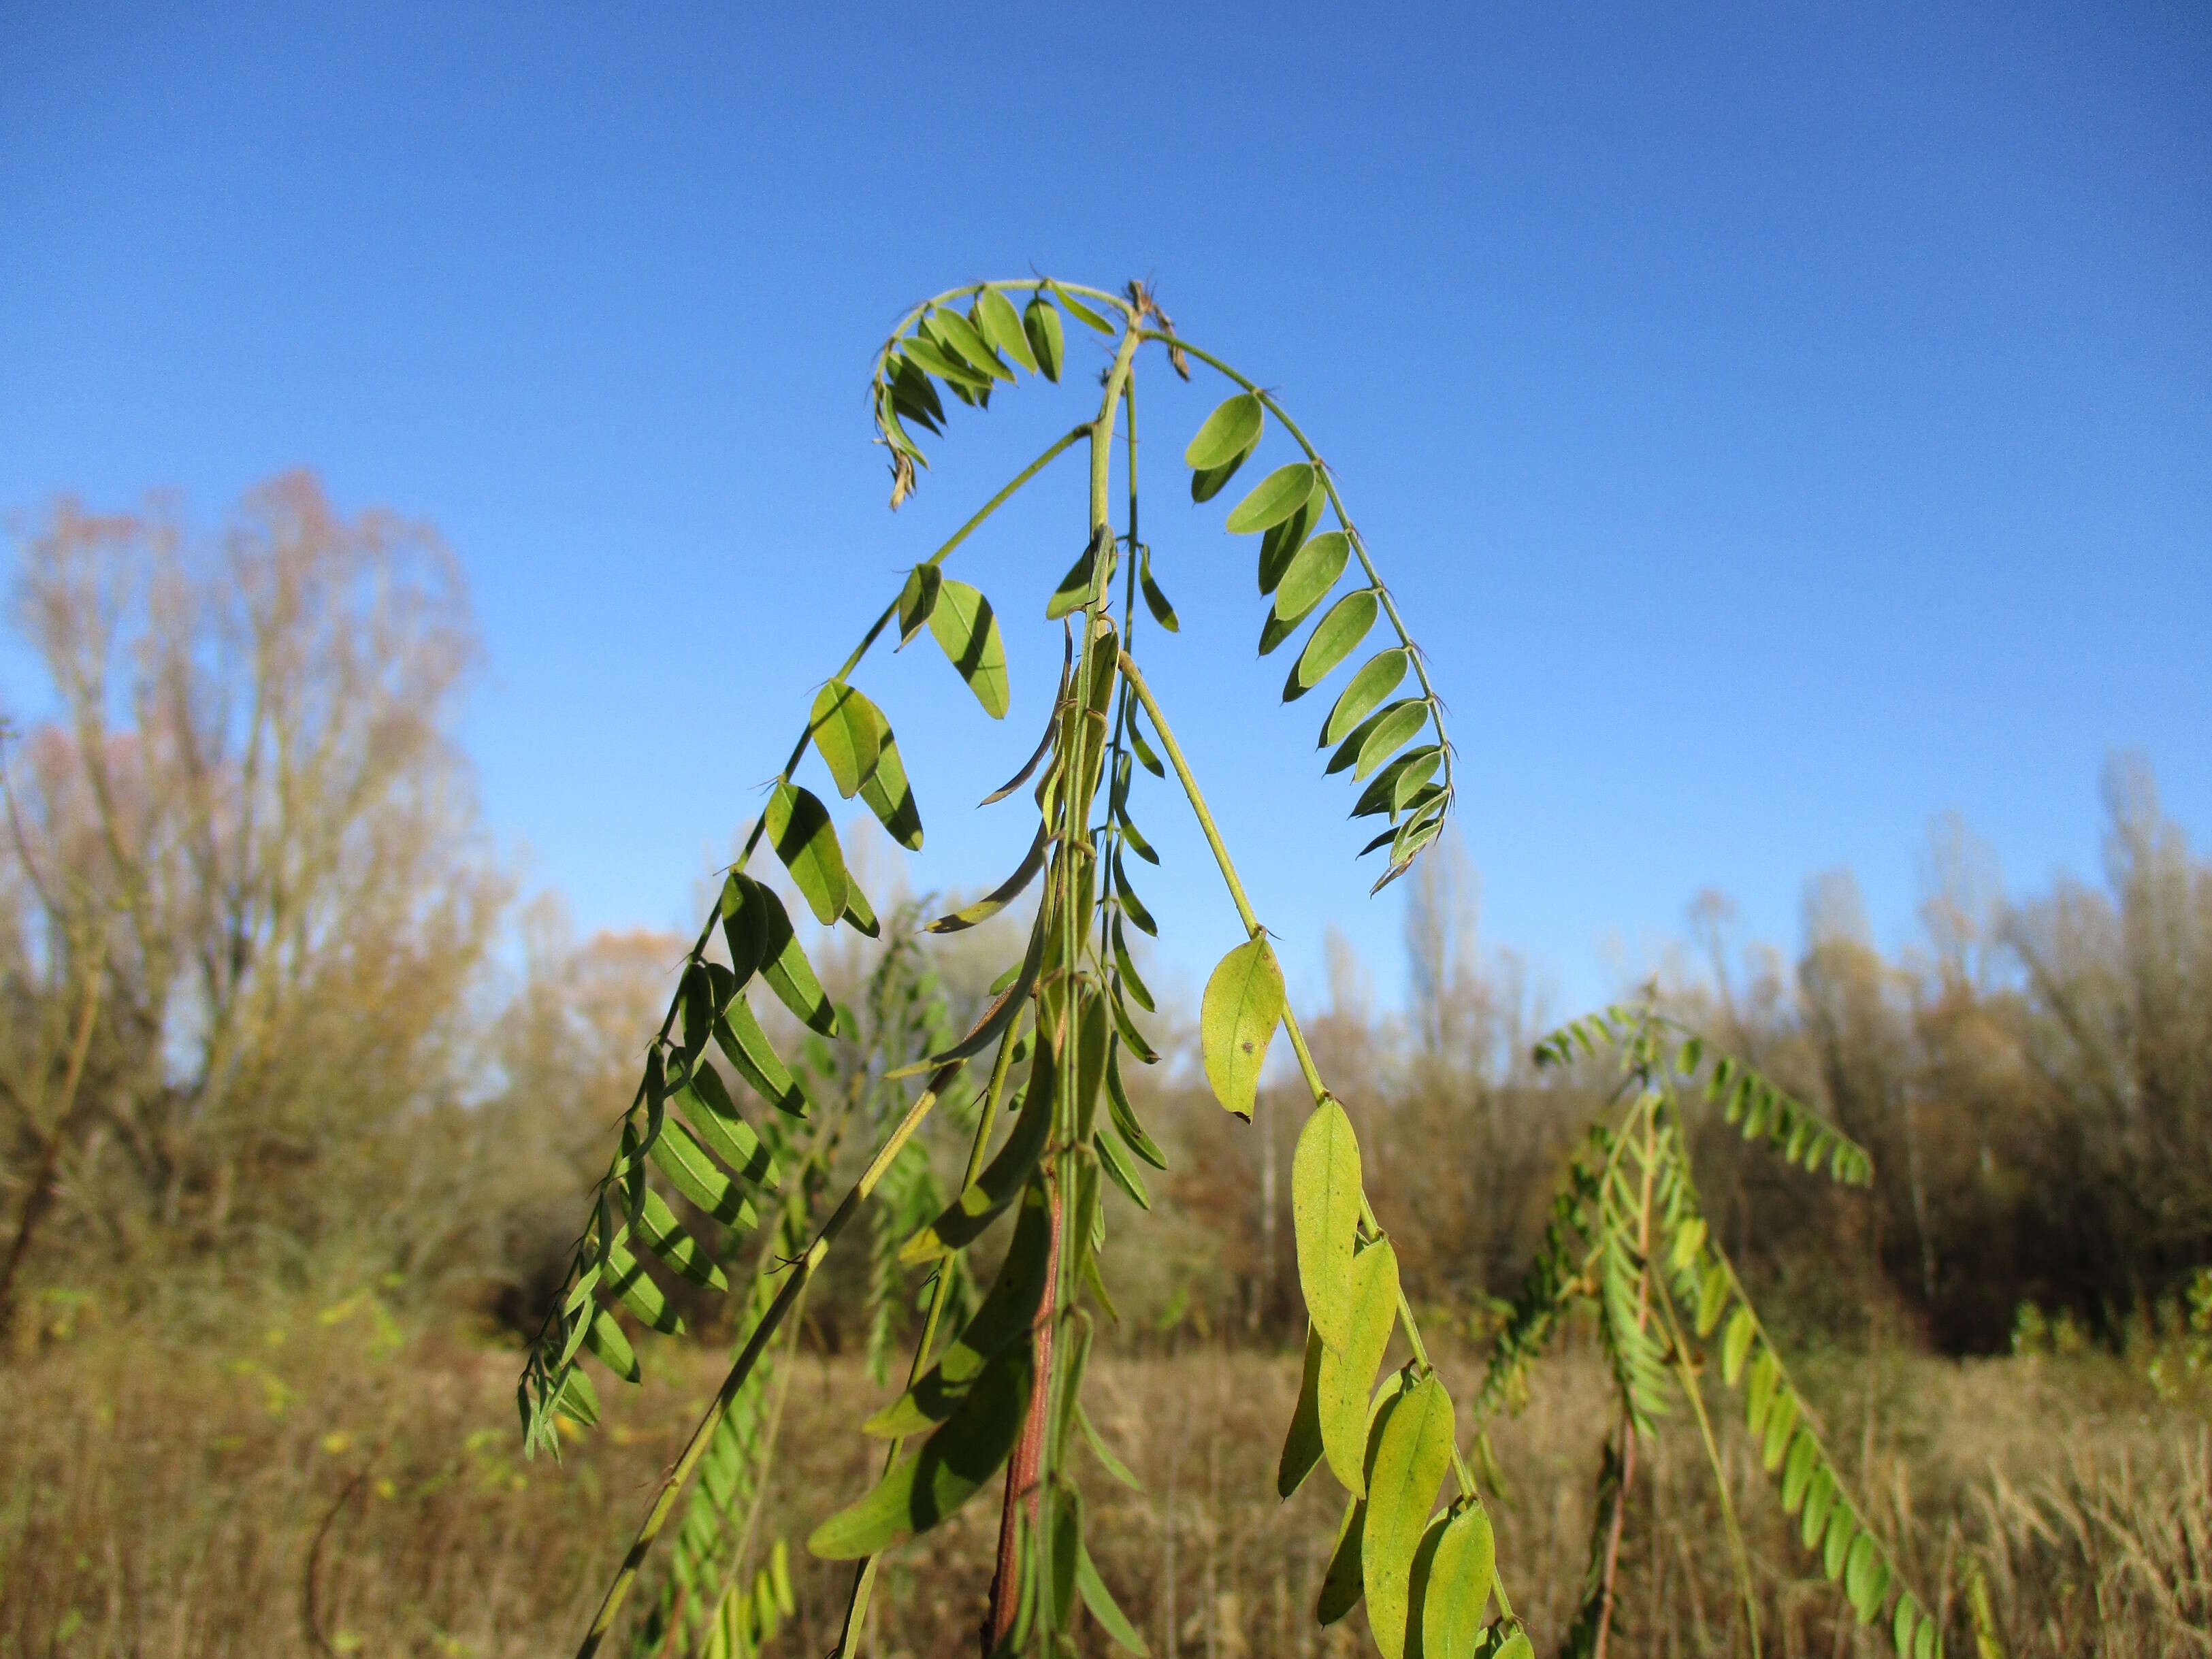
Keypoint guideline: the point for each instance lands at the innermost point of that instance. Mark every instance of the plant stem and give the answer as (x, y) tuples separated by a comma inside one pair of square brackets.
[(664, 1502)]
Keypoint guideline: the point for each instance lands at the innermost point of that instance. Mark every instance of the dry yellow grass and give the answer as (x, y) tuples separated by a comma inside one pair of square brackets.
[(315, 1479)]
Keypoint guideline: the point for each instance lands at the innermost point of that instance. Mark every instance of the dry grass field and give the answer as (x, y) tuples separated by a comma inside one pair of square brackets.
[(314, 1479)]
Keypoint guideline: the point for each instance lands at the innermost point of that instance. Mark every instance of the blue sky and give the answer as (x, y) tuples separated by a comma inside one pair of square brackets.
[(1783, 424)]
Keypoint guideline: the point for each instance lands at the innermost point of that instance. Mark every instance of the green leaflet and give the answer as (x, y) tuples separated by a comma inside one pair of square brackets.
[(1000, 897), (1125, 971), (1237, 1020), (1273, 632), (1093, 1031), (629, 1283), (1313, 571), (1005, 1315), (783, 964), (1797, 1471), (1516, 1646), (928, 355), (1074, 589), (744, 928), (1100, 1600), (1280, 545), (916, 600), (1228, 433), (1335, 637), (746, 1047), (706, 1105), (1040, 324), (799, 829), (1339, 1584), (1781, 1422), (605, 1338), (956, 331), (962, 625), (890, 798), (1759, 1392), (1394, 726), (1378, 676), (1712, 1298), (951, 1466), (1735, 1345), (1155, 600), (1120, 1171), (1348, 751), (1325, 1194), (1082, 313), (1302, 1444), (1272, 500), (1125, 1120), (1104, 1453), (1003, 1178), (1205, 486), (1866, 1578), (1843, 1527), (1348, 1374), (1819, 1496), (659, 1232), (848, 731), (1452, 1575), (1902, 1625), (1411, 1460), (578, 1399), (996, 321), (693, 1174)]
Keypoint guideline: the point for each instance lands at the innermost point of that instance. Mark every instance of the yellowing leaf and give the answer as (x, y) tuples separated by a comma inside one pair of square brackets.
[(1450, 1595), (1237, 1020), (1348, 1374), (1325, 1209), (1410, 1462)]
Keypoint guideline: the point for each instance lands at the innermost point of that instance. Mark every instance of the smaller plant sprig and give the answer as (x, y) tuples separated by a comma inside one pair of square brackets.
[(1629, 1238)]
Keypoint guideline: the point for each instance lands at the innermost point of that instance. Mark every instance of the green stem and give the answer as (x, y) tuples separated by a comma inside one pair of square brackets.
[(1299, 1046), (1738, 1556), (671, 1487)]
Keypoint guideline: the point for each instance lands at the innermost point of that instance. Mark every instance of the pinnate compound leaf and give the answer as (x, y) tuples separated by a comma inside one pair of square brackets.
[(1272, 500), (1302, 1444), (1335, 637), (799, 829), (849, 732), (1041, 324), (1313, 571), (1378, 676), (1449, 1600), (1411, 1460), (1243, 1006), (951, 1466), (1325, 1194), (1348, 1374), (996, 321), (1227, 434), (963, 625)]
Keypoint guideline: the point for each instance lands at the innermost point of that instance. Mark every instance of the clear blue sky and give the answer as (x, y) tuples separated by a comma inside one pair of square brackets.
[(1785, 423)]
